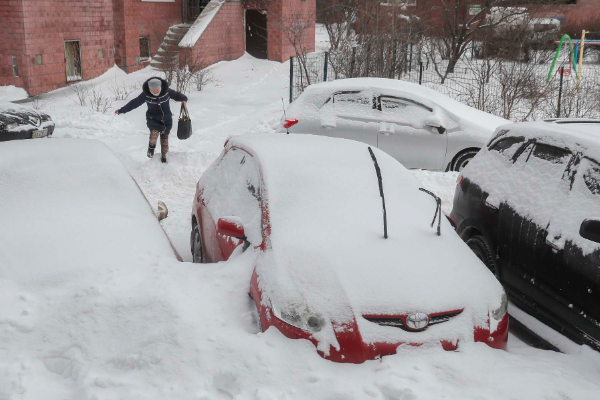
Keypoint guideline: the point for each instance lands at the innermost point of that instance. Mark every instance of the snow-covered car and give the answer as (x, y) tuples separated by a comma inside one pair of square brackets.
[(418, 126), (68, 208), (18, 122), (309, 209), (529, 206)]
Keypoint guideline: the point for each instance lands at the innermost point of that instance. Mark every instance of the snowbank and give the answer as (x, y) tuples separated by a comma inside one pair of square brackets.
[(12, 93)]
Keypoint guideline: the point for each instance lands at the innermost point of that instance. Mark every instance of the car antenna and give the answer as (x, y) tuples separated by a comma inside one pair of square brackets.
[(378, 172), (284, 116), (438, 209)]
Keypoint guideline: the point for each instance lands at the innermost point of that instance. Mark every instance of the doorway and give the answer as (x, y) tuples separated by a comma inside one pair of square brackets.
[(73, 60), (256, 34), (194, 9)]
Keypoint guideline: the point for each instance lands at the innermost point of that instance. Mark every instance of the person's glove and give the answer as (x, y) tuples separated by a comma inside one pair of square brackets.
[(117, 112)]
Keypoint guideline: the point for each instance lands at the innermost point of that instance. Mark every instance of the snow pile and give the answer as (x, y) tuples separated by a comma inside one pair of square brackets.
[(12, 93), (149, 327)]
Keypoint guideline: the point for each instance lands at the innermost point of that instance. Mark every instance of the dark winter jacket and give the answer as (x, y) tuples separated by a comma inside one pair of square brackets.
[(158, 116)]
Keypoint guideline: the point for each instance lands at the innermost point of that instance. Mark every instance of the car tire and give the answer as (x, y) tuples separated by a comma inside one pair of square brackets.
[(482, 250), (196, 245), (462, 159)]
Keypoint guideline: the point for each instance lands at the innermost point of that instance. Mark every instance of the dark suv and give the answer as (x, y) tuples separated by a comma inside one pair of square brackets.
[(529, 206)]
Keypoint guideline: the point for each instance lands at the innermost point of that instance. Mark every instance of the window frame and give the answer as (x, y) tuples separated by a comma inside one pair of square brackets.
[(145, 59)]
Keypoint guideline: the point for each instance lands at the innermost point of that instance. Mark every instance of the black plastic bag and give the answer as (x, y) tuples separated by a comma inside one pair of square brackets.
[(184, 127)]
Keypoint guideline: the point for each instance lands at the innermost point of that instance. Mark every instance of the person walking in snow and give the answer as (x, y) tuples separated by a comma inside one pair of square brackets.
[(159, 119)]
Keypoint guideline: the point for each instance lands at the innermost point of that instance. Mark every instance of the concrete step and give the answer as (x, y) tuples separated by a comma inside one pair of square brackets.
[(168, 47), (167, 52), (173, 41), (179, 29)]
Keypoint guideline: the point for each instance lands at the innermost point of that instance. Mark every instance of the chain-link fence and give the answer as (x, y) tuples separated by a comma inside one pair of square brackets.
[(512, 90)]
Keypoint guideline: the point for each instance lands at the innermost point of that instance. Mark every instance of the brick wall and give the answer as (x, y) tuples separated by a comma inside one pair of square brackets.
[(224, 38), (108, 31), (143, 18), (49, 23), (12, 42)]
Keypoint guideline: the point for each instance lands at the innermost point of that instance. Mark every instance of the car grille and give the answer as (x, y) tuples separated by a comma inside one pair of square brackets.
[(399, 321)]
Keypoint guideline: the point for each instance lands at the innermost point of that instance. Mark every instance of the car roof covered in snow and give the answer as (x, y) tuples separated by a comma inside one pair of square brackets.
[(68, 205), (319, 93), (326, 224), (571, 133)]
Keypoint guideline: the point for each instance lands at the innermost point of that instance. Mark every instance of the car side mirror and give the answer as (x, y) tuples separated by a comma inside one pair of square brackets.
[(231, 226), (163, 211), (590, 230), (434, 122), (328, 120)]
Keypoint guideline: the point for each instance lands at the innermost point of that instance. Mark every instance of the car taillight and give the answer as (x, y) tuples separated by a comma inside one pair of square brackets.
[(459, 180), (288, 123)]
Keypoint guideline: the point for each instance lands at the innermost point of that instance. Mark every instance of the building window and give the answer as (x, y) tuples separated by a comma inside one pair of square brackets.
[(73, 60), (474, 9), (100, 54), (144, 48), (38, 59), (15, 68)]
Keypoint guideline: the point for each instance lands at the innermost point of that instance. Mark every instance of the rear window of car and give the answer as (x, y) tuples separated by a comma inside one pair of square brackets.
[(507, 146), (552, 154)]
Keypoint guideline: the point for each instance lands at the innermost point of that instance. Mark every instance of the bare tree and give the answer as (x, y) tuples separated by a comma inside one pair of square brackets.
[(455, 24)]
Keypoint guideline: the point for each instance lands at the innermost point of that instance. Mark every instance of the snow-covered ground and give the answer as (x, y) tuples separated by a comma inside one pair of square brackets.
[(12, 93), (186, 331)]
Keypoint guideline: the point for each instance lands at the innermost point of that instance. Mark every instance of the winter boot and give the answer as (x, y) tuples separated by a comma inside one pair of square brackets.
[(163, 158), (152, 143)]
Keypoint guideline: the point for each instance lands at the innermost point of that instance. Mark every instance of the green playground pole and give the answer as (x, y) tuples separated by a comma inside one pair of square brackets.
[(565, 36)]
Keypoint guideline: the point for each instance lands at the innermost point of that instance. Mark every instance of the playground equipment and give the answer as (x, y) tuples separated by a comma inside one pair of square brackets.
[(576, 60)]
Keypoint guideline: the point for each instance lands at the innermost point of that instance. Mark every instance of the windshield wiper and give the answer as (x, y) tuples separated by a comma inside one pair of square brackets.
[(378, 172), (438, 209)]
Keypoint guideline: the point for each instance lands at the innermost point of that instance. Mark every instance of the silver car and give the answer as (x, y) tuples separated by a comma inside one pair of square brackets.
[(418, 126)]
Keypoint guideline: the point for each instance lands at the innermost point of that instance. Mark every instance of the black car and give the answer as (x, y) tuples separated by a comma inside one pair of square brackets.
[(18, 122), (529, 206)]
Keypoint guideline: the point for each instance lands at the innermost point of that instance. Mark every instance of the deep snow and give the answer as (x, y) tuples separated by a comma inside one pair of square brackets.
[(171, 330)]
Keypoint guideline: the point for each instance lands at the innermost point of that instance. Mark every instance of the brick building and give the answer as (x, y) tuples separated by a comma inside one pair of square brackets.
[(47, 44)]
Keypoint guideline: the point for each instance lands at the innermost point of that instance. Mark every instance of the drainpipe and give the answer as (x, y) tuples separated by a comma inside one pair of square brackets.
[(183, 11)]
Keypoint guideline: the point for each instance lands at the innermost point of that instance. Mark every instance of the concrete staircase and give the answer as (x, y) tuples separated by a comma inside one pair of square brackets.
[(168, 52)]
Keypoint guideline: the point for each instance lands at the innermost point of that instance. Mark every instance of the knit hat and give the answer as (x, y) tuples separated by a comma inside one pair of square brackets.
[(154, 84)]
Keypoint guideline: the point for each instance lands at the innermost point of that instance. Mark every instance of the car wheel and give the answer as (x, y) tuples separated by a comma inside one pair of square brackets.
[(462, 159), (482, 250), (196, 245)]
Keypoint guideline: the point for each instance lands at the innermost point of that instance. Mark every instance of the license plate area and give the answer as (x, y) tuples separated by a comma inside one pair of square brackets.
[(39, 133)]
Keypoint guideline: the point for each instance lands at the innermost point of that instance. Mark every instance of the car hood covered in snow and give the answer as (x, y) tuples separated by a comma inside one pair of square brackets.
[(14, 114), (327, 249), (475, 122), (68, 207)]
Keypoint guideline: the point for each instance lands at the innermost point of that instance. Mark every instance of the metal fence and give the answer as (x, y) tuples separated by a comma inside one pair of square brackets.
[(512, 90)]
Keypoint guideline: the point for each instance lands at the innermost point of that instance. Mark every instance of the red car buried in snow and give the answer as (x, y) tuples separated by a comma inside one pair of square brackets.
[(309, 208)]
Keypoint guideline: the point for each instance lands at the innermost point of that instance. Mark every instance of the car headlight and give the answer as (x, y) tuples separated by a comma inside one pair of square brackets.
[(500, 312), (11, 126), (46, 117), (300, 317)]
